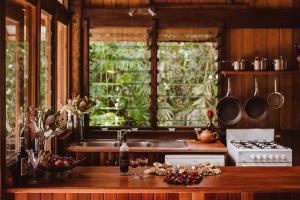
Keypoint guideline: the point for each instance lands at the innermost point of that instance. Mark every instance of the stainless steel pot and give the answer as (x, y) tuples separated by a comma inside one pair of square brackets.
[(260, 63), (239, 64), (280, 64)]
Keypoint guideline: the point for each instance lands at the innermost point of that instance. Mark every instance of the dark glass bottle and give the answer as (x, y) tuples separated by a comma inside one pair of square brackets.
[(124, 157), (21, 173)]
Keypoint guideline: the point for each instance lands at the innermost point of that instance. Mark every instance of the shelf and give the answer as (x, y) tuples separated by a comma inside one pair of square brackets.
[(231, 72)]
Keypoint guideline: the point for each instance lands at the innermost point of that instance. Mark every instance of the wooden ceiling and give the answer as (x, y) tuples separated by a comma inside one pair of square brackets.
[(141, 3)]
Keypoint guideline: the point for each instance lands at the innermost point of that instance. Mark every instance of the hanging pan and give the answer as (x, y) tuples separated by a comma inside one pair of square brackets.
[(256, 107), (275, 99), (229, 108)]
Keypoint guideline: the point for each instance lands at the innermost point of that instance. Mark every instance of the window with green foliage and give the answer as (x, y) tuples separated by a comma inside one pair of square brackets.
[(187, 78), (16, 83), (120, 76), (45, 61)]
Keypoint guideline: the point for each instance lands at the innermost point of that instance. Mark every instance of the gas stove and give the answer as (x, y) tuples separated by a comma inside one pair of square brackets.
[(256, 147), (255, 144)]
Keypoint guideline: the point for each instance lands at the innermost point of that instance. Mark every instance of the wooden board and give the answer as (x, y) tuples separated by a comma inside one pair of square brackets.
[(108, 180)]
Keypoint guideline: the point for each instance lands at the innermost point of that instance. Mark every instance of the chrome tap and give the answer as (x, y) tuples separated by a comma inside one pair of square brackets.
[(121, 133)]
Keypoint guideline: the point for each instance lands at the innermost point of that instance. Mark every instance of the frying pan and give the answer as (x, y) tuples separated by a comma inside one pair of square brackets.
[(256, 107), (229, 108), (275, 99)]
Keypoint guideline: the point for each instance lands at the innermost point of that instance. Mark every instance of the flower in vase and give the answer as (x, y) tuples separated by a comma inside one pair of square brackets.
[(44, 122), (80, 106)]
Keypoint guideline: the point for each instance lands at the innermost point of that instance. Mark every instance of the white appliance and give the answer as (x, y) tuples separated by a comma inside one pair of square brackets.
[(256, 147), (190, 159)]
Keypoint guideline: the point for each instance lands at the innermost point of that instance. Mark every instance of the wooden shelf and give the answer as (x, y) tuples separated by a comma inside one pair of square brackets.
[(231, 72)]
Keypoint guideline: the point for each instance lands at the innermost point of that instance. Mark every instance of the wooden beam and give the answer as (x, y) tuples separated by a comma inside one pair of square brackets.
[(53, 62), (56, 9), (37, 55), (76, 47), (85, 60), (14, 11), (154, 72), (2, 100), (232, 18)]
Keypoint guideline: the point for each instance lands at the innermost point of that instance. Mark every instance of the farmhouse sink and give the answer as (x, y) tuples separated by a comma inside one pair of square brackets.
[(132, 143)]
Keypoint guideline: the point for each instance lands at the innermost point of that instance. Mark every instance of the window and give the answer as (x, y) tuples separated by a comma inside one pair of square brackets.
[(45, 61), (187, 78), (16, 81), (62, 65), (120, 76)]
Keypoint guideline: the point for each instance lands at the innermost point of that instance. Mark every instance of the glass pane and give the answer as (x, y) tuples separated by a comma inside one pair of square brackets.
[(119, 78), (45, 67), (62, 66), (187, 76), (16, 82)]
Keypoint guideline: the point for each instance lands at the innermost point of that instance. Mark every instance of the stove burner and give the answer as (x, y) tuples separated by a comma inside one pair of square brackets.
[(255, 144)]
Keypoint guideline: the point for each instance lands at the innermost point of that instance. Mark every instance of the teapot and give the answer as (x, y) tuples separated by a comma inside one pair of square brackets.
[(206, 136)]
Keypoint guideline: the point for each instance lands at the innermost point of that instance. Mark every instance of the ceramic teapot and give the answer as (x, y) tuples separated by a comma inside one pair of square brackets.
[(206, 136)]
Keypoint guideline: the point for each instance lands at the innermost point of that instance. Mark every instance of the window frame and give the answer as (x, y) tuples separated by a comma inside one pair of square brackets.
[(31, 10), (15, 13), (154, 61)]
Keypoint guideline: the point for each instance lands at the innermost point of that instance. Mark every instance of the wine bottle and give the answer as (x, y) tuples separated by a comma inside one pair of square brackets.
[(21, 173), (124, 157)]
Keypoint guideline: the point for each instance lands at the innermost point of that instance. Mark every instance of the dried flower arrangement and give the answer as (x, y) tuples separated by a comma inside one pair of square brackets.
[(43, 123), (80, 106)]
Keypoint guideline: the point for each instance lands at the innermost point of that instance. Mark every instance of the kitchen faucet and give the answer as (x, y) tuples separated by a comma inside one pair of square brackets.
[(121, 133)]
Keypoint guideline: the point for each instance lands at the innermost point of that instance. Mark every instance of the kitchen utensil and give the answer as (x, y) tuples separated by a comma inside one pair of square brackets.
[(207, 136), (260, 63), (256, 107), (275, 99), (229, 108), (239, 64), (280, 64)]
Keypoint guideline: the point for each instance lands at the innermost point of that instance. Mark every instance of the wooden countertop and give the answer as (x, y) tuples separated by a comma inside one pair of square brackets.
[(192, 146), (232, 179)]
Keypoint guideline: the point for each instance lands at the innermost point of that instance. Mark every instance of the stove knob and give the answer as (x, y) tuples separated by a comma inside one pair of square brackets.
[(252, 156), (276, 157), (282, 156), (258, 157), (271, 157), (264, 156)]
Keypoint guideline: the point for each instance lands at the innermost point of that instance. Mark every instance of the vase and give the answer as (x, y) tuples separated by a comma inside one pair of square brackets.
[(81, 127)]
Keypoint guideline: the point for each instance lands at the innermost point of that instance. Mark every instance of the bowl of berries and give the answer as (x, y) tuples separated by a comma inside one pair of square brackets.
[(184, 178), (56, 163)]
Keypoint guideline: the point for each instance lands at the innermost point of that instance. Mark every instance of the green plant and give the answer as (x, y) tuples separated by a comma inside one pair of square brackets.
[(119, 82)]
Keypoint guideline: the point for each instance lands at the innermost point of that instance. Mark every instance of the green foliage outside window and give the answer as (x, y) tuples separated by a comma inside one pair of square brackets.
[(187, 82), (119, 82), (11, 47), (43, 74)]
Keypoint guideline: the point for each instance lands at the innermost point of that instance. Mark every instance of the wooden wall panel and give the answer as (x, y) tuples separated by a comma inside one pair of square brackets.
[(159, 196), (147, 196)]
